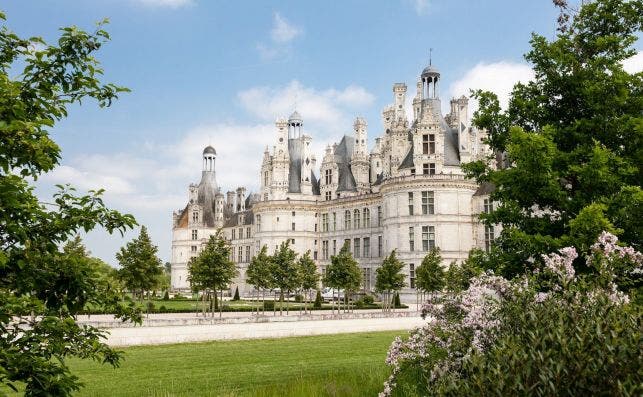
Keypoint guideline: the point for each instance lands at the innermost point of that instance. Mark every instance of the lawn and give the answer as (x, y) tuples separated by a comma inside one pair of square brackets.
[(329, 365)]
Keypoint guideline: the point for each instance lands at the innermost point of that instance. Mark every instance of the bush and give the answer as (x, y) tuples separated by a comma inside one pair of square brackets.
[(318, 300), (368, 299), (396, 301), (162, 309), (236, 295), (166, 296), (299, 298), (150, 307), (268, 305), (178, 297)]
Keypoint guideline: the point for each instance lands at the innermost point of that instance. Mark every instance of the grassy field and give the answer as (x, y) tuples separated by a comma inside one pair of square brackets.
[(329, 365)]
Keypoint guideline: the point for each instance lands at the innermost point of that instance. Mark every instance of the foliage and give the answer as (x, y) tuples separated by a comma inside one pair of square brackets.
[(42, 288), (553, 332), (318, 300), (368, 299), (430, 276), (458, 275), (572, 139), (396, 301), (309, 277), (343, 272), (284, 270), (236, 295), (140, 268), (268, 305), (166, 296), (389, 277)]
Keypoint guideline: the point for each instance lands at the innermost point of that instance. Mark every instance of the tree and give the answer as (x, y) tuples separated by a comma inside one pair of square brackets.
[(284, 272), (212, 270), (389, 278), (41, 288), (141, 269), (430, 274), (572, 139), (309, 278), (236, 295), (343, 273), (258, 273), (458, 276)]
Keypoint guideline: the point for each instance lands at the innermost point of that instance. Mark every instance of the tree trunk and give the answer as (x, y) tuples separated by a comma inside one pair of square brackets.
[(220, 304)]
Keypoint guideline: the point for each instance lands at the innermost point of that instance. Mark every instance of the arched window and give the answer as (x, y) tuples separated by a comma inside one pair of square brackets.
[(356, 219), (347, 220)]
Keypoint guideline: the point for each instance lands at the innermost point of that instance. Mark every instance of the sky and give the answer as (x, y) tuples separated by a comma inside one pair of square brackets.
[(221, 72)]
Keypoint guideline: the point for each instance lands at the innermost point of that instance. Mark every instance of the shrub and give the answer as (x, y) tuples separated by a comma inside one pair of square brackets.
[(368, 299), (150, 306), (396, 301), (318, 300), (166, 296), (162, 309), (299, 298), (236, 295), (268, 305), (178, 296)]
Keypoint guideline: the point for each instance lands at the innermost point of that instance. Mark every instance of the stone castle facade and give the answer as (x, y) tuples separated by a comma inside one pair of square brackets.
[(408, 193)]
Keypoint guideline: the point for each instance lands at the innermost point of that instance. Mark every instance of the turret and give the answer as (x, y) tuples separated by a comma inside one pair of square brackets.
[(241, 199)]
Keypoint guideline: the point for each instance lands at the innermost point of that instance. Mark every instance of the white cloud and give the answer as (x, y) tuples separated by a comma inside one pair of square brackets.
[(634, 64), (498, 77), (421, 7), (165, 3), (283, 31)]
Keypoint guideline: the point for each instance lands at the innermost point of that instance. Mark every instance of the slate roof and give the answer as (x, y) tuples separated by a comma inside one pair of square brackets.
[(485, 189), (294, 174), (343, 152), (247, 216), (206, 193)]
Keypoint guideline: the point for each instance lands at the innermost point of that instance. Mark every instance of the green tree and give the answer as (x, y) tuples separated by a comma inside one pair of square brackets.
[(389, 278), (572, 139), (343, 273), (258, 273), (459, 275), (141, 268), (309, 277), (212, 270), (41, 288), (430, 276), (285, 275)]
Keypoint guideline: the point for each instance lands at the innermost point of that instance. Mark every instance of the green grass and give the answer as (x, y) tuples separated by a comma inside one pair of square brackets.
[(329, 365)]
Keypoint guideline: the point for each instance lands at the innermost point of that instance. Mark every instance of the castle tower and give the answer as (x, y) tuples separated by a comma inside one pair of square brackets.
[(230, 201), (359, 158), (241, 199), (266, 175), (399, 92), (280, 162)]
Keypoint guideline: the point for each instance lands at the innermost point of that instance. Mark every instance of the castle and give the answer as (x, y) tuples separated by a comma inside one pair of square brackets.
[(408, 193)]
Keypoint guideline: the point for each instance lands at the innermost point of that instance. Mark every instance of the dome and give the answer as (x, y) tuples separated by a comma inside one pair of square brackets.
[(430, 71), (209, 150), (295, 116)]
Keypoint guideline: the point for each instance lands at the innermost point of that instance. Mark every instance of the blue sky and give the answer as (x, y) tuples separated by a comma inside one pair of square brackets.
[(220, 72)]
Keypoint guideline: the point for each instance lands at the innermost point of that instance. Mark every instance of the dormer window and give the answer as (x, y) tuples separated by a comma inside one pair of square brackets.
[(195, 216)]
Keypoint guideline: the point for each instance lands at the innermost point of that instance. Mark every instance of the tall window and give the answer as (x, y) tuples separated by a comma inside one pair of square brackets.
[(410, 203), (411, 238), (258, 220), (247, 232), (292, 226), (334, 247), (367, 217), (428, 238), (489, 236), (240, 254), (195, 234), (428, 144), (240, 233), (379, 216), (411, 275), (328, 176), (247, 253), (347, 242), (234, 234), (356, 219), (195, 216), (347, 220), (356, 248), (488, 206), (367, 247), (428, 204), (328, 196), (334, 221), (379, 246), (193, 249), (431, 168), (324, 249), (324, 222)]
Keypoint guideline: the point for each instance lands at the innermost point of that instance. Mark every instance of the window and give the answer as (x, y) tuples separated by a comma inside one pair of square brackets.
[(324, 223), (428, 205), (193, 249), (487, 206), (248, 232), (293, 213), (265, 178), (195, 216), (315, 227), (240, 254), (367, 217), (411, 275), (379, 216), (347, 220), (258, 220), (248, 253), (367, 247), (347, 243), (411, 238), (412, 171), (334, 221), (328, 177), (356, 219), (431, 169), (195, 234), (240, 233), (428, 237), (324, 249), (329, 195), (292, 226), (379, 246), (265, 197), (428, 144), (334, 247), (234, 234), (292, 241), (366, 278), (410, 203), (356, 248), (489, 236), (314, 255)]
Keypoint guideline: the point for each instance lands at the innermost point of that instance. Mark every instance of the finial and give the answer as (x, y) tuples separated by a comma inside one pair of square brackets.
[(430, 55)]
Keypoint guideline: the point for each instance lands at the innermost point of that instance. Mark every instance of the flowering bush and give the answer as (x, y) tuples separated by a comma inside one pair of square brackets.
[(554, 332)]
